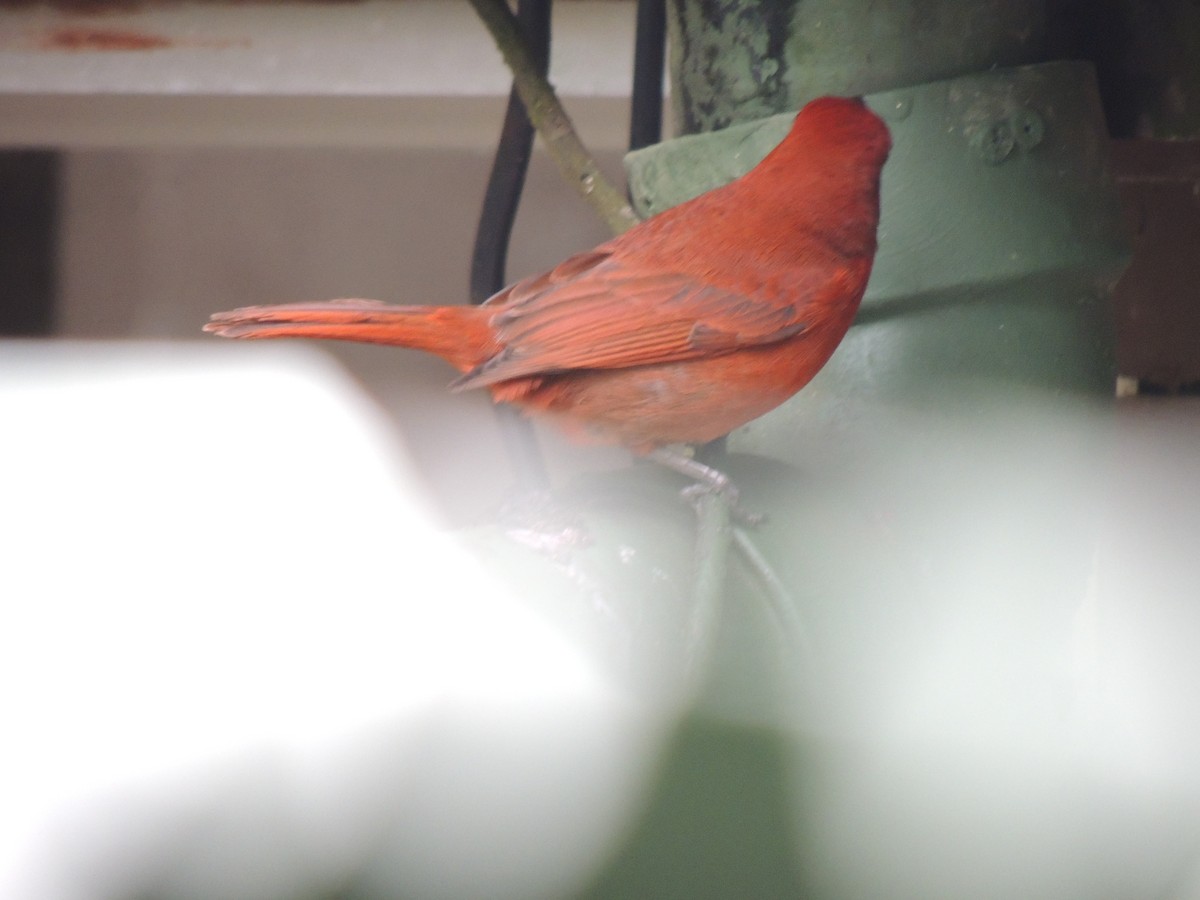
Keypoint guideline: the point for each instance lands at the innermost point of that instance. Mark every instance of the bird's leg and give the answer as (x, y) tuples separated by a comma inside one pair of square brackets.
[(708, 480), (712, 543), (679, 460)]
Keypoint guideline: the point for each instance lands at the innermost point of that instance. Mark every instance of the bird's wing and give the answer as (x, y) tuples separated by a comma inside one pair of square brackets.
[(593, 313)]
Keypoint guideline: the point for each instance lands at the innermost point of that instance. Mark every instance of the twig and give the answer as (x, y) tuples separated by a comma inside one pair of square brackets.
[(551, 120), (780, 602), (708, 581)]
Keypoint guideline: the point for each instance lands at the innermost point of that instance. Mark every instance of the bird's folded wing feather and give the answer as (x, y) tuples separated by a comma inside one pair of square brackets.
[(593, 313)]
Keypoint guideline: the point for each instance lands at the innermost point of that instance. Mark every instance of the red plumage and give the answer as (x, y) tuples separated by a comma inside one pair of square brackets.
[(681, 329)]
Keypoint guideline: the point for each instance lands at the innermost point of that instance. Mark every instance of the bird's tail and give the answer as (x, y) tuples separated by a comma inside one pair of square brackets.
[(460, 335)]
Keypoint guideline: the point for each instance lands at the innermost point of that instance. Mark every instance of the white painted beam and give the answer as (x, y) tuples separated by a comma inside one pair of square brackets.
[(413, 73)]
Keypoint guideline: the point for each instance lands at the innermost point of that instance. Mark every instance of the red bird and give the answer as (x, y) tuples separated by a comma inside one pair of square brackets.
[(683, 328)]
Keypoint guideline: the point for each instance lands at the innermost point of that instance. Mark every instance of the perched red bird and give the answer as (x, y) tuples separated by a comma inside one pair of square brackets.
[(681, 329)]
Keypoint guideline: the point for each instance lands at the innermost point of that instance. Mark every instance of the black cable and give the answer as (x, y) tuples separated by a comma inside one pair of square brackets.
[(645, 116), (490, 256)]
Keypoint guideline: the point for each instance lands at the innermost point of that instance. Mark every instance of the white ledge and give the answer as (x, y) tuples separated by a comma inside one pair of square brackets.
[(376, 72)]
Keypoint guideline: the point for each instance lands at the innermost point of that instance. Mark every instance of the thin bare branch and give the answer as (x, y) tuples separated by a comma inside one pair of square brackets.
[(551, 121)]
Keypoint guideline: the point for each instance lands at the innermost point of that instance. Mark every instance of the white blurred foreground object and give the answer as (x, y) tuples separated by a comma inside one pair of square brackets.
[(235, 655), (237, 660)]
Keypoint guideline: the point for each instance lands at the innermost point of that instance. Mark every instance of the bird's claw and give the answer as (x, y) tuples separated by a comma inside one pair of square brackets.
[(728, 493), (708, 481)]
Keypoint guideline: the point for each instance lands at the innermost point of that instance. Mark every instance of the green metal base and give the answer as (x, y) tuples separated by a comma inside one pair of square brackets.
[(846, 712)]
